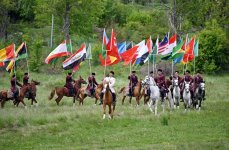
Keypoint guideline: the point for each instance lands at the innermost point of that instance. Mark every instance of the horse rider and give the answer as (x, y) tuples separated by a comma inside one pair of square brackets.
[(69, 84), (187, 78), (111, 81), (26, 79), (197, 80), (13, 87), (150, 77), (160, 80), (133, 82), (91, 84)]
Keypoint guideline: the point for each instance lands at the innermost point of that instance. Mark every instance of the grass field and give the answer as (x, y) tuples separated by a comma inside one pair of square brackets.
[(81, 127)]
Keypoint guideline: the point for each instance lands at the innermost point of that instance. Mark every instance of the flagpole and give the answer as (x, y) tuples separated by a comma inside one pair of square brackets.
[(27, 58), (15, 65), (71, 45), (131, 59), (52, 30)]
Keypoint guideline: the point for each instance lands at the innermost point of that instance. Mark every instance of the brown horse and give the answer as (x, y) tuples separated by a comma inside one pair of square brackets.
[(4, 97), (63, 91), (83, 93), (136, 93), (107, 100)]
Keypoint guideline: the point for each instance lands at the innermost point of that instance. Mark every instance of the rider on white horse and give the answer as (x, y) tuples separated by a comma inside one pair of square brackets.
[(197, 80), (111, 80)]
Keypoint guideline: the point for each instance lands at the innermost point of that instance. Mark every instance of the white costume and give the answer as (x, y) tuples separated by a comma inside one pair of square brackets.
[(111, 81)]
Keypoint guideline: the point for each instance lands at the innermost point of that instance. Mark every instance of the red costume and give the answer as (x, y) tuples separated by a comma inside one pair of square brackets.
[(133, 80), (91, 84), (160, 80)]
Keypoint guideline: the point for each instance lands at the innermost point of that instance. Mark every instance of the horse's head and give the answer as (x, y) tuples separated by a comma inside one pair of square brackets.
[(187, 86), (175, 82), (145, 81), (82, 81), (202, 86)]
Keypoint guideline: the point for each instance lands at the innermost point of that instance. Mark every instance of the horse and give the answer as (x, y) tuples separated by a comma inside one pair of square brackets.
[(107, 100), (136, 93), (199, 95), (176, 93), (63, 91), (32, 92), (154, 94), (83, 94), (187, 95), (168, 96), (4, 97)]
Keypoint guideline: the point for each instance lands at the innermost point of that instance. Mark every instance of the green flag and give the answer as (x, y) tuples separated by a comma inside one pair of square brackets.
[(196, 48), (152, 56), (177, 48)]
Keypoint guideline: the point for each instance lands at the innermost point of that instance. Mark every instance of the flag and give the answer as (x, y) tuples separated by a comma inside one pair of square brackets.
[(171, 45), (179, 58), (58, 52), (2, 64), (89, 54), (163, 45), (74, 60), (20, 53), (189, 51), (152, 56), (142, 54), (113, 49), (108, 61), (129, 45), (105, 38), (129, 55), (7, 53), (149, 45), (121, 47), (196, 48), (177, 48)]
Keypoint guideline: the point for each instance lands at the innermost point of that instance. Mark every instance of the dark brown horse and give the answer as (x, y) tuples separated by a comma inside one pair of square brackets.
[(83, 93), (107, 100), (63, 91), (4, 96), (136, 92)]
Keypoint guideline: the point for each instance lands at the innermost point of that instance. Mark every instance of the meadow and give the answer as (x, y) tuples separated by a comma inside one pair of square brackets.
[(49, 126)]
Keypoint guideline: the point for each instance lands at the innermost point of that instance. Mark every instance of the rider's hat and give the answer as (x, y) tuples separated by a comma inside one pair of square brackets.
[(70, 73), (26, 73), (93, 74), (151, 72), (133, 71), (159, 70), (177, 71), (198, 71), (112, 72), (187, 71)]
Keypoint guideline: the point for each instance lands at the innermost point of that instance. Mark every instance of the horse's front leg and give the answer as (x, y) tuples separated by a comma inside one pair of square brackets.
[(123, 99), (104, 111), (110, 112)]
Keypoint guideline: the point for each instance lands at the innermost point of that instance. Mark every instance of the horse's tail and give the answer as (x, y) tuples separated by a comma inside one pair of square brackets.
[(121, 90), (52, 94)]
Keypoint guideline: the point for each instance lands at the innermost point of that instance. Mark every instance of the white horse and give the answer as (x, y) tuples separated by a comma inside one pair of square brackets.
[(154, 94), (176, 93), (187, 95), (199, 94)]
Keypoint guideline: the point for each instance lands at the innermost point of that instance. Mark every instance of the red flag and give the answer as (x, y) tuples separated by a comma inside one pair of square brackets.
[(108, 61), (2, 64), (130, 55), (149, 45), (189, 51), (112, 49)]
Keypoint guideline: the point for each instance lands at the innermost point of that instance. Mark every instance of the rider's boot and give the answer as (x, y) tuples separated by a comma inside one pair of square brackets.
[(114, 98), (101, 98)]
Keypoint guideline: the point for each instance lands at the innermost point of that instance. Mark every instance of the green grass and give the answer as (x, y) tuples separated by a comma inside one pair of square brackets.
[(81, 127)]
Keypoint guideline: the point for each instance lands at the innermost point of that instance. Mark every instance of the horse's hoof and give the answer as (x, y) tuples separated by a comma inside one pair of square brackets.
[(25, 107), (199, 108), (109, 116), (178, 107), (104, 116)]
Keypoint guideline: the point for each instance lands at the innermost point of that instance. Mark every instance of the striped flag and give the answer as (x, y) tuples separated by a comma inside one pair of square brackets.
[(163, 45), (7, 54), (73, 62)]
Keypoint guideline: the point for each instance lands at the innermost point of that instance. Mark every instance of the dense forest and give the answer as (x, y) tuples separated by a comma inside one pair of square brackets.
[(133, 20)]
